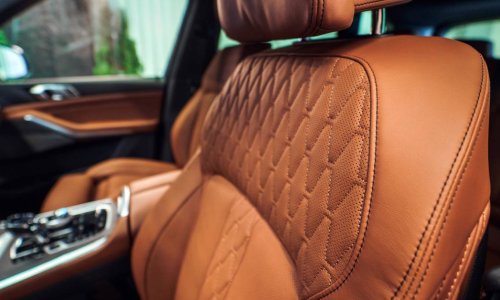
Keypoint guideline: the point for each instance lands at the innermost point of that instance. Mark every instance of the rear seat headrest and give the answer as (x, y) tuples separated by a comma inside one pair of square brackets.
[(265, 20)]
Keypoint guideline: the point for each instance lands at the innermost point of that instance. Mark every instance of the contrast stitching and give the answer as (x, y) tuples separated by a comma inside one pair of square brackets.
[(460, 268), (366, 210), (426, 228), (222, 236), (441, 287), (374, 97), (451, 205), (330, 135)]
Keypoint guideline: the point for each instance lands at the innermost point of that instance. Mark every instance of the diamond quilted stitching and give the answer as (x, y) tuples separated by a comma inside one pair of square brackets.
[(292, 133), (230, 251)]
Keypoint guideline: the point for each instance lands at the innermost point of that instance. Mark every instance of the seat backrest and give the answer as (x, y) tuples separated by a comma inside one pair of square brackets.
[(186, 130), (352, 169)]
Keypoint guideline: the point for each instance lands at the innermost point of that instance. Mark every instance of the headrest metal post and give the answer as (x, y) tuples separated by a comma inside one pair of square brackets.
[(378, 21)]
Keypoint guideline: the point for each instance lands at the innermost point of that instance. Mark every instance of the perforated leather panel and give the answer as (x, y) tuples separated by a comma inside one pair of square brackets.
[(293, 135)]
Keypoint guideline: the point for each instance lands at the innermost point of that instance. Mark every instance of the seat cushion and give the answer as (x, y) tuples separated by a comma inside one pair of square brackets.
[(102, 181)]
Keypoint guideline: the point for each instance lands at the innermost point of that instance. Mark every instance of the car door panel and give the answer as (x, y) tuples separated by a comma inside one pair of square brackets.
[(108, 81), (46, 139), (92, 116)]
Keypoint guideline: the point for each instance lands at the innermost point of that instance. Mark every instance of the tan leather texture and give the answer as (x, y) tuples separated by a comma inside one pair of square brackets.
[(69, 190), (186, 131), (311, 145), (330, 170), (96, 116), (170, 220), (144, 194), (230, 244), (102, 181), (260, 21)]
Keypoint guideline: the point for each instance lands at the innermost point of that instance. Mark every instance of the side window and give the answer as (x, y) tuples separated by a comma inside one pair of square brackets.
[(225, 41), (484, 30), (81, 38)]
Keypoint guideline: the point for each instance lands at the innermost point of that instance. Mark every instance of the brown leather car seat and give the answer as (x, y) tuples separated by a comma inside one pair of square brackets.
[(350, 169), (106, 179)]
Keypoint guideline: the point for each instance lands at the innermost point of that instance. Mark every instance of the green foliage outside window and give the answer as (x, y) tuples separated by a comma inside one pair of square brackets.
[(4, 40), (121, 58)]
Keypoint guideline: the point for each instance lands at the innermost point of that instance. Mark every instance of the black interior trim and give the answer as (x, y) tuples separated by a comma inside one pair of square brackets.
[(196, 45)]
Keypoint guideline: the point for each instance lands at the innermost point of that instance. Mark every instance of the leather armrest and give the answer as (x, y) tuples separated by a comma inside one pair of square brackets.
[(144, 194)]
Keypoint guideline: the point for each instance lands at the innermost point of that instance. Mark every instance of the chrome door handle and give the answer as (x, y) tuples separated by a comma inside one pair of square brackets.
[(54, 91)]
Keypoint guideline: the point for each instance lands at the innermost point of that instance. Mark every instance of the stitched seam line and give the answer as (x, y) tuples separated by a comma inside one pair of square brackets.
[(449, 208), (220, 238), (320, 24), (374, 99), (372, 150), (460, 268), (306, 140), (155, 243), (330, 137), (311, 17), (441, 287), (429, 220), (445, 220)]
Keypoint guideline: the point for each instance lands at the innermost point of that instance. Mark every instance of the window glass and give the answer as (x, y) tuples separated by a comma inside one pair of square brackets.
[(66, 38), (225, 42), (365, 23), (484, 30), (364, 28), (326, 36)]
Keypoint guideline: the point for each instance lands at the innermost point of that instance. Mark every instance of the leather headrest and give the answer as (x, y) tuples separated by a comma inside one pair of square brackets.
[(265, 20), (483, 47)]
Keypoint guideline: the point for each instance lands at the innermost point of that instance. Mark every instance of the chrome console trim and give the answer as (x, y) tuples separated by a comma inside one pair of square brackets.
[(48, 125), (124, 202), (11, 274), (70, 256), (70, 133)]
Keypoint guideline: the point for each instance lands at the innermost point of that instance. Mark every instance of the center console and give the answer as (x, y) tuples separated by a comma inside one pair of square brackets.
[(33, 244), (40, 251)]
